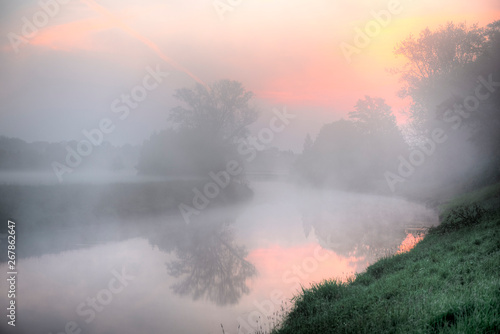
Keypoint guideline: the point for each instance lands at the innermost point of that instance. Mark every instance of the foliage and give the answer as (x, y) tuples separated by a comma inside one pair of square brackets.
[(460, 217), (432, 56), (222, 110), (373, 116), (443, 72), (183, 153), (206, 128), (354, 153)]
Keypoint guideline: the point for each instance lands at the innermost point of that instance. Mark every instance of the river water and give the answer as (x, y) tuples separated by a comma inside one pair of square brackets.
[(236, 266)]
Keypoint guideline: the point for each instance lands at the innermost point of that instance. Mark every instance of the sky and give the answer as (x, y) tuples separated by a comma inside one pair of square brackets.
[(65, 64)]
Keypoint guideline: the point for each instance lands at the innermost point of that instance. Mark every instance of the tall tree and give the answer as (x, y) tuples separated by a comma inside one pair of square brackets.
[(223, 109), (445, 70), (432, 57), (373, 116), (206, 127), (308, 143)]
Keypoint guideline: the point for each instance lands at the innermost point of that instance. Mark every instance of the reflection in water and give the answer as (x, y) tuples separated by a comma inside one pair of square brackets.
[(285, 228), (362, 225), (409, 242), (209, 264)]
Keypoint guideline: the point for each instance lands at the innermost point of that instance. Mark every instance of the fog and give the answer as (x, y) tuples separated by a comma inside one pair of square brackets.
[(158, 179), (211, 264)]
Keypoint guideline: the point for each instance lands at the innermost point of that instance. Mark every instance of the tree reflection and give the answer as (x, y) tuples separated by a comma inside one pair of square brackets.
[(209, 264)]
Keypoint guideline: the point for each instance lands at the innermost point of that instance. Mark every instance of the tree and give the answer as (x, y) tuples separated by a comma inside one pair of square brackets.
[(373, 116), (307, 144), (222, 110), (435, 55), (205, 131), (441, 76), (354, 153), (335, 157)]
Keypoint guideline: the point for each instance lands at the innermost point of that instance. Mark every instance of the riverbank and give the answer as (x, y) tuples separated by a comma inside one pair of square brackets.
[(448, 283)]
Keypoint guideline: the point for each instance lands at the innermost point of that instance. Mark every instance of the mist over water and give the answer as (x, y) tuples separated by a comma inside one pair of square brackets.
[(215, 269)]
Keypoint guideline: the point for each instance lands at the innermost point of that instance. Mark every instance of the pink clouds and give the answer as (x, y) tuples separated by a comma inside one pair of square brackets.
[(72, 36)]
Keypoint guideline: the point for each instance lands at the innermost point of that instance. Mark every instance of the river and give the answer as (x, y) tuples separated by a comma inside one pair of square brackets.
[(235, 266)]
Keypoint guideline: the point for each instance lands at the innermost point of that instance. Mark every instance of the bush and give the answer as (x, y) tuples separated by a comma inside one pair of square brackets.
[(460, 217)]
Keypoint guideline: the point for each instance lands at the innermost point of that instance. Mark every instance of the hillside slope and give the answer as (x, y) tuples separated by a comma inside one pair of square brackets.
[(449, 283)]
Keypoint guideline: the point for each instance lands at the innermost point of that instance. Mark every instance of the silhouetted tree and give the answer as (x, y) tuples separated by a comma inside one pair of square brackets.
[(432, 56), (485, 124), (206, 128), (445, 69), (308, 143), (223, 109), (354, 154), (373, 116), (335, 156)]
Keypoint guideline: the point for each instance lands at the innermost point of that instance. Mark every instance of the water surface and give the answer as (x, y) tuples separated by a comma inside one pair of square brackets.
[(236, 265)]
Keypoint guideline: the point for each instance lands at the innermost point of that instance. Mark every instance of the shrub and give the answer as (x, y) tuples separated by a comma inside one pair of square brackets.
[(460, 217)]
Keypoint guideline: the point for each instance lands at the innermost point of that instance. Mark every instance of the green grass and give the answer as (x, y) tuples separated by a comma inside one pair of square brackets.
[(449, 283), (488, 197)]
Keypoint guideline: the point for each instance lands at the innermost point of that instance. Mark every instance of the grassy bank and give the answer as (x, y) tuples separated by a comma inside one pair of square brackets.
[(449, 283)]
